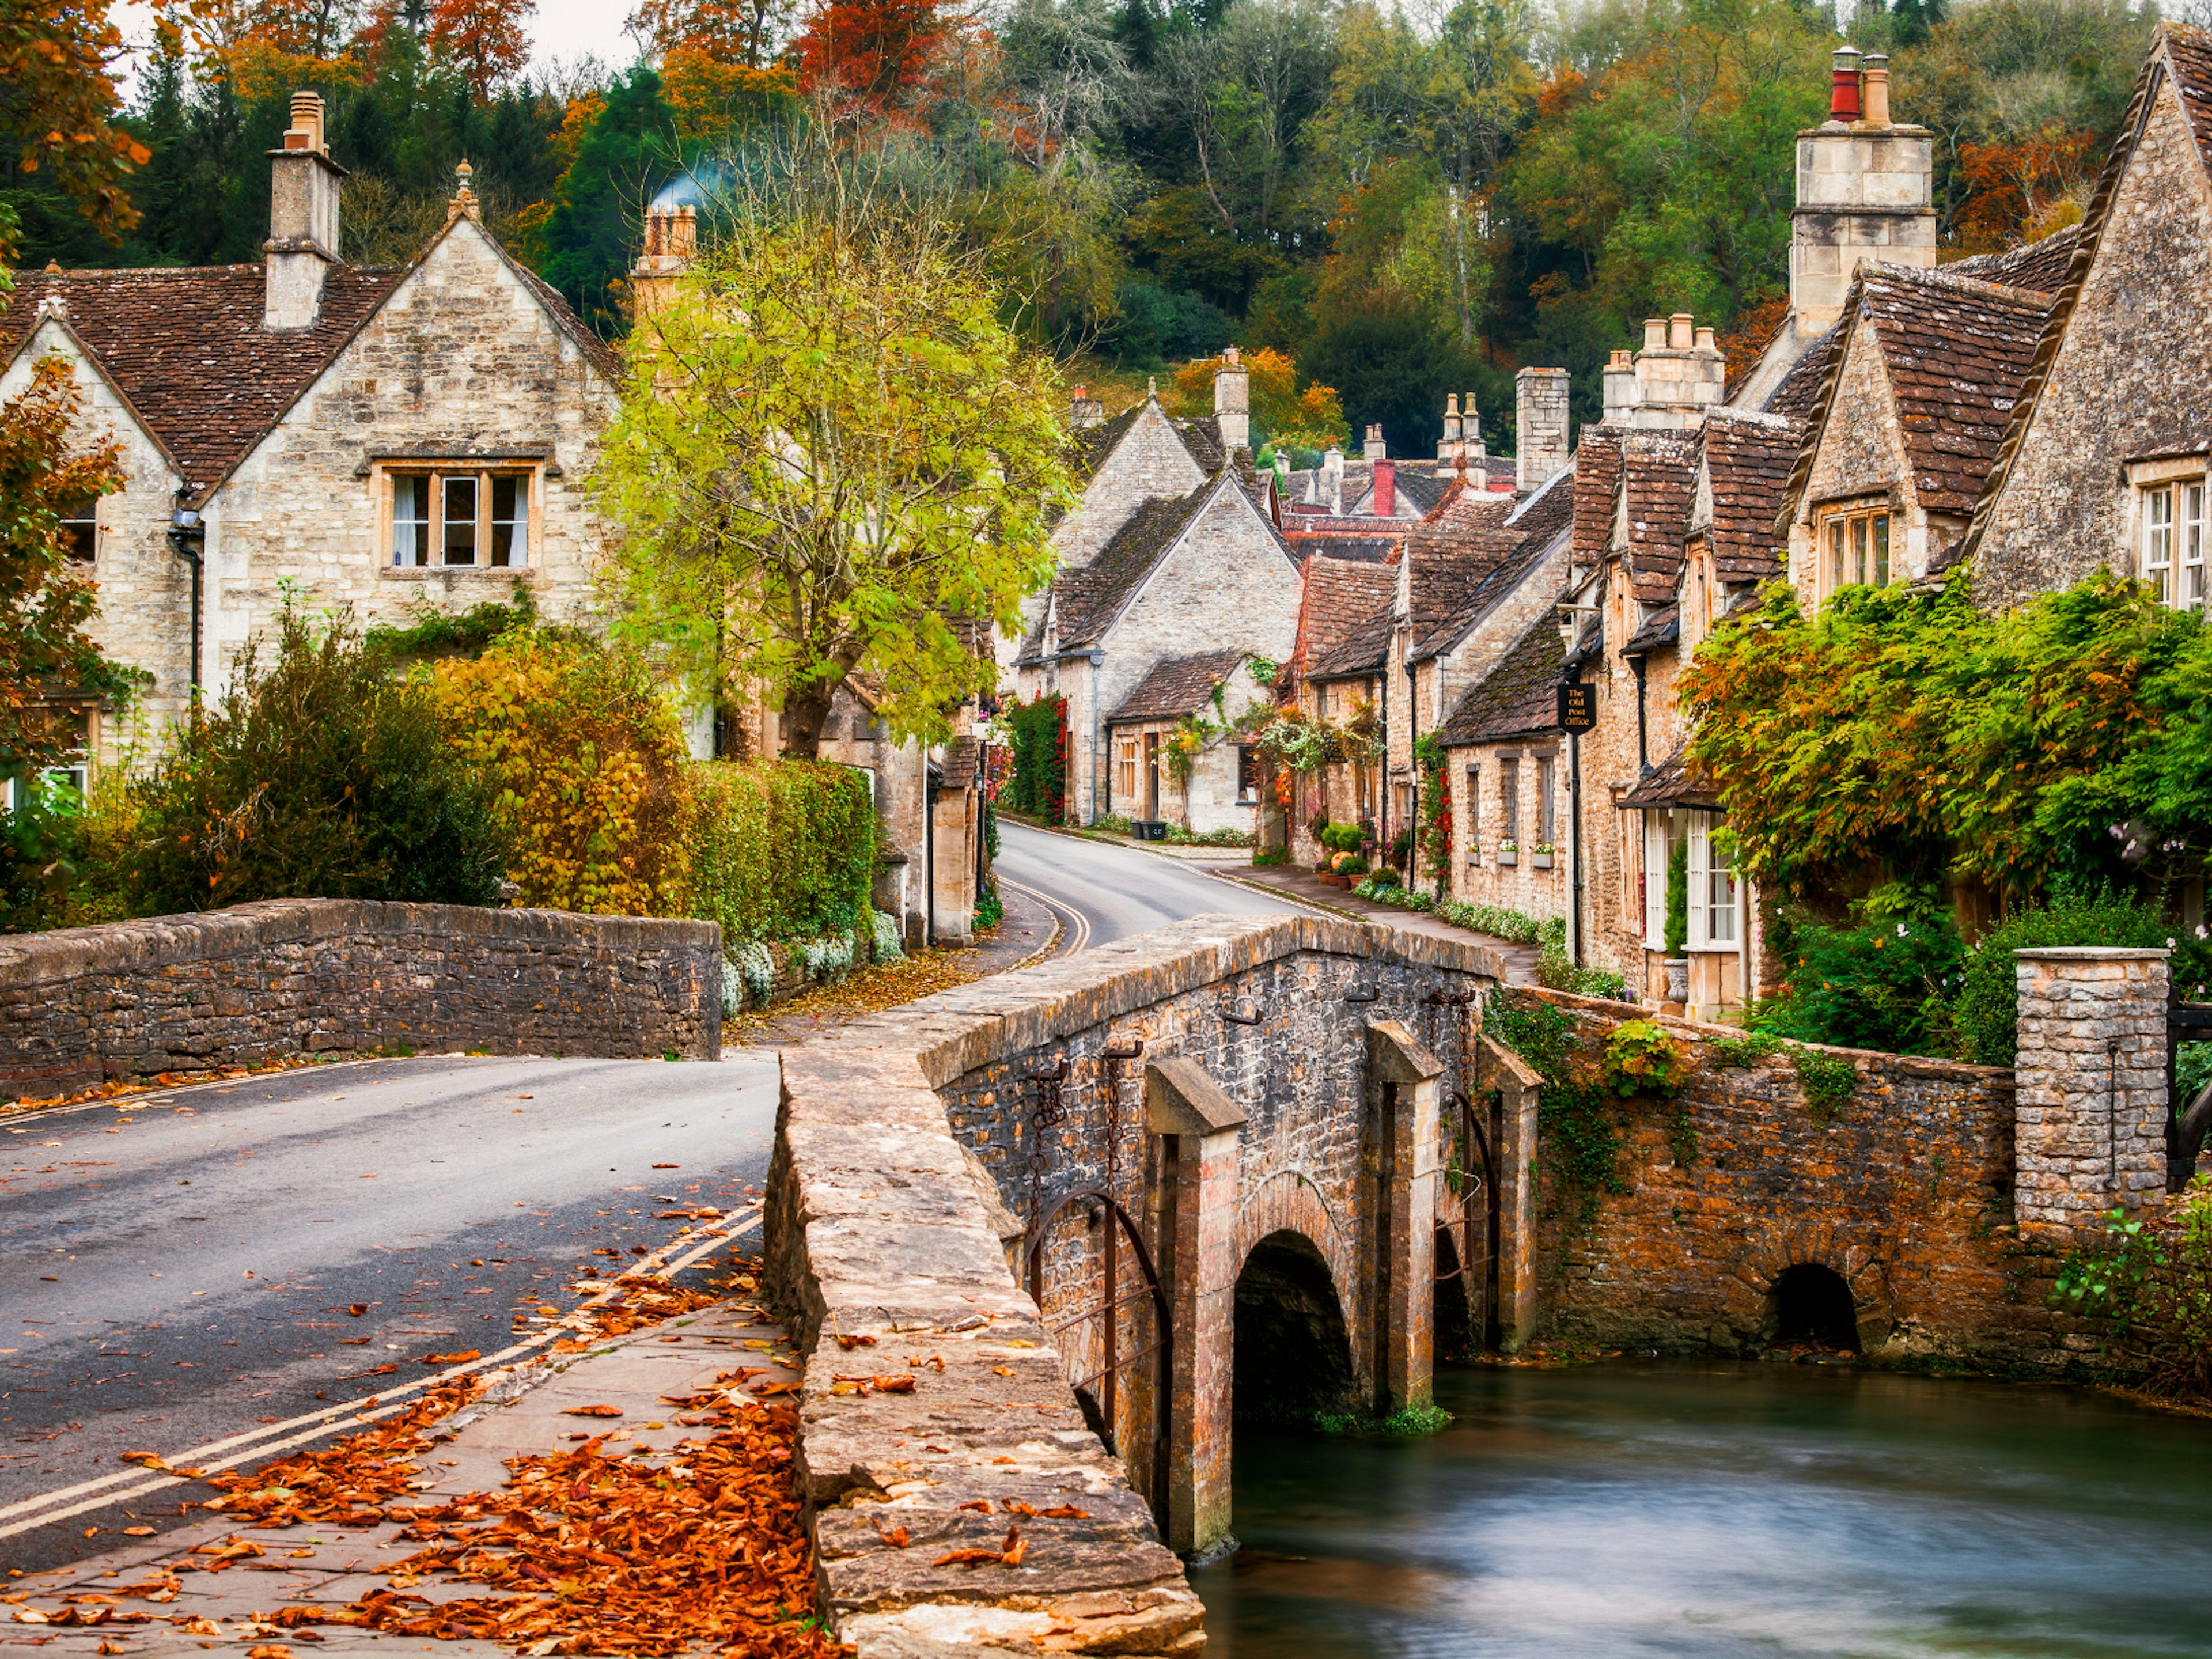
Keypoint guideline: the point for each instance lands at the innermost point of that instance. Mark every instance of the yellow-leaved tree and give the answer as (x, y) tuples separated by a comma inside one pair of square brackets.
[(587, 755)]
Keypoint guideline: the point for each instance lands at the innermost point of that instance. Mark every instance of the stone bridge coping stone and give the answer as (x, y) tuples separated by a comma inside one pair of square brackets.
[(879, 1237), (158, 941)]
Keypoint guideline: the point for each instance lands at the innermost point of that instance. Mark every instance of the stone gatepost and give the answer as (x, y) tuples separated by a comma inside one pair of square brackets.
[(2089, 1117), (1199, 1123), (1514, 1148), (1401, 1084)]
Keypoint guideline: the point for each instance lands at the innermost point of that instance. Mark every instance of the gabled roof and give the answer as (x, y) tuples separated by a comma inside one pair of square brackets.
[(1180, 686), (1597, 481), (1801, 388), (1340, 596), (1519, 542), (2039, 267), (1748, 459), (1203, 439), (1659, 477), (1087, 599), (187, 349), (1093, 444), (1364, 649), (1665, 628), (2187, 53), (1515, 699), (1446, 559)]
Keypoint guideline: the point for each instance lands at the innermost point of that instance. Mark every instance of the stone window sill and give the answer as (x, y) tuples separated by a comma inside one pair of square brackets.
[(465, 572)]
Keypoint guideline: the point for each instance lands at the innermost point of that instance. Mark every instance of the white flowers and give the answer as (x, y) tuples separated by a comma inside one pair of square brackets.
[(1900, 930)]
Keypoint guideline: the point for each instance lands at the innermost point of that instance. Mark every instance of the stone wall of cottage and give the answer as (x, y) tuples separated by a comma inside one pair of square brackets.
[(1906, 1192), (1478, 877), (462, 357), (326, 978), (1150, 461), (1227, 583), (145, 589), (2131, 378), (1861, 454)]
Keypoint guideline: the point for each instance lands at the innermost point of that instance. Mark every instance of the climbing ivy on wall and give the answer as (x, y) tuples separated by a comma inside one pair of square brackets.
[(1036, 733), (1575, 1124)]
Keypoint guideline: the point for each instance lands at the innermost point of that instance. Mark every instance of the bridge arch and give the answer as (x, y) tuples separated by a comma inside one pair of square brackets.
[(1293, 1358)]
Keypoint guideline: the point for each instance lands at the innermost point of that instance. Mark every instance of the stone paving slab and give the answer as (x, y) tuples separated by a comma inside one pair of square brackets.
[(310, 1564)]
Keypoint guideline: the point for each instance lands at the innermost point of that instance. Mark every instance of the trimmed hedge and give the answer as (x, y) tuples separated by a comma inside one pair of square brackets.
[(780, 849)]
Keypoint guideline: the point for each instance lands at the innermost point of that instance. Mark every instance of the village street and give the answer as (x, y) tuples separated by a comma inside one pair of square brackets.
[(1103, 893), (183, 1267)]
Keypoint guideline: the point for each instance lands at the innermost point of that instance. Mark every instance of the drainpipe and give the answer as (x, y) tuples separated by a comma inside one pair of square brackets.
[(1642, 757), (188, 541), (1382, 795), (1097, 658), (1413, 767)]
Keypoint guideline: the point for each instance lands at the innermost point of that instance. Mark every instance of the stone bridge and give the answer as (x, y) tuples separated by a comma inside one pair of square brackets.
[(1217, 1169)]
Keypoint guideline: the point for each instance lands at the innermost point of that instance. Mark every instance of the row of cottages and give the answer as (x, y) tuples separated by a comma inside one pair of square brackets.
[(2034, 416), (386, 439), (1176, 593)]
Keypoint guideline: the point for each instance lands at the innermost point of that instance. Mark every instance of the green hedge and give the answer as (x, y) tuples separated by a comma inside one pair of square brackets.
[(1037, 735), (780, 849)]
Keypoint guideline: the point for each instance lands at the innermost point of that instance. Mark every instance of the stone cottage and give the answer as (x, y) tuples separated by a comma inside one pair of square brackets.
[(385, 438), (1173, 552), (1200, 701)]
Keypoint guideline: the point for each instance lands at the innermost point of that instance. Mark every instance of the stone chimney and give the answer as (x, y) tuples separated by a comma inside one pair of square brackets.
[(1084, 411), (1865, 190), (1385, 505), (1374, 449), (1540, 417), (1232, 401), (1332, 479), (303, 221), (672, 243), (1670, 383), (1451, 450)]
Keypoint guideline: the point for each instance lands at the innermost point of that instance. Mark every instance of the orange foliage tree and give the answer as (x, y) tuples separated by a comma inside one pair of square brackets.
[(873, 54), (726, 33), (56, 98), (486, 39), (1287, 418), (2027, 188)]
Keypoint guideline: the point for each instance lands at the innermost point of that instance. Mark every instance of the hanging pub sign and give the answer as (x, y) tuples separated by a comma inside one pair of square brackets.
[(1578, 707)]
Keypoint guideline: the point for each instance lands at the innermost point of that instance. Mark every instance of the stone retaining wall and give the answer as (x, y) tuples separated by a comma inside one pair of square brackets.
[(898, 1175), (330, 977)]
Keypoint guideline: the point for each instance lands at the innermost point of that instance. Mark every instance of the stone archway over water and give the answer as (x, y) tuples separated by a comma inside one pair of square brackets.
[(1293, 1351), (1812, 1304)]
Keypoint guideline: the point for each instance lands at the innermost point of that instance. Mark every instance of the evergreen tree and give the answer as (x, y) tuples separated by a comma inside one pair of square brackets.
[(591, 235)]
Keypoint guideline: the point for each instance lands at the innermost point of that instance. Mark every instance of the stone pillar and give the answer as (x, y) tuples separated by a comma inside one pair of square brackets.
[(1401, 1089), (1200, 1123), (952, 855), (2089, 1106), (1498, 1067)]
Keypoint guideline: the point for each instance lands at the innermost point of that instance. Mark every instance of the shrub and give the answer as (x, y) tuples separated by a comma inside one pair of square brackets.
[(1642, 1058), (990, 909), (1986, 1017), (1343, 837), (317, 775), (780, 849), (1885, 985), (1555, 971), (1678, 900), (1179, 837), (886, 946), (1115, 824), (1036, 733), (1493, 918), (587, 754), (65, 856), (1386, 877)]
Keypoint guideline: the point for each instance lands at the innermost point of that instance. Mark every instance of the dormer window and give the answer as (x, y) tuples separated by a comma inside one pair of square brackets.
[(1856, 550), (2170, 516)]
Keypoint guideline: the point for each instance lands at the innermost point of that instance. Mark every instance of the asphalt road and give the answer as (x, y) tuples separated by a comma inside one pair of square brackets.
[(1104, 892), (180, 1268)]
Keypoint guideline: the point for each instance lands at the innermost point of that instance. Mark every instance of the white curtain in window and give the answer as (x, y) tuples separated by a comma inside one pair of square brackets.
[(1655, 880)]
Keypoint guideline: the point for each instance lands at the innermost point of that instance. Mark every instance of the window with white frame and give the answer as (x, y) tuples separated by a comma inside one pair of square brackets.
[(459, 518), (1473, 814), (1712, 888), (80, 530), (18, 791), (1656, 848), (2170, 514)]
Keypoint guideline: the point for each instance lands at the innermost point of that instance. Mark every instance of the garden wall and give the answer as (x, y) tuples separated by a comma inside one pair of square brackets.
[(330, 977), (1905, 1190)]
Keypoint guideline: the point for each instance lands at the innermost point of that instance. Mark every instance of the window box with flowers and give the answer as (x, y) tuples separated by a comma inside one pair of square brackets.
[(1509, 853), (1540, 858)]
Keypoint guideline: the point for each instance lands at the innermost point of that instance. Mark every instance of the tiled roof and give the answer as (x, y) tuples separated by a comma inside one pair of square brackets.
[(1955, 352), (962, 759), (1203, 439), (1089, 599), (2039, 267), (1749, 461), (1659, 474), (1093, 444), (1515, 699), (1365, 648), (186, 347), (1664, 628), (1672, 783), (1597, 477), (1363, 550), (1447, 558), (1339, 596), (1801, 388), (1518, 542), (1176, 687), (2190, 51)]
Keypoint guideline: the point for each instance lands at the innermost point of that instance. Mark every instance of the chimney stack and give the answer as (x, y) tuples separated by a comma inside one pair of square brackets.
[(671, 242), (1866, 189), (1539, 416), (1084, 411), (1232, 401), (303, 221), (1374, 449), (1670, 383), (1331, 479), (1450, 454), (1385, 504)]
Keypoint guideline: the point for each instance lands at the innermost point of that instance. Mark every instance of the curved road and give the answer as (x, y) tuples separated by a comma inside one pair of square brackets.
[(181, 1267), (1103, 892)]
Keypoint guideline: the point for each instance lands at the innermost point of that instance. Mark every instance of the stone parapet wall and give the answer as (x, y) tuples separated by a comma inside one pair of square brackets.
[(901, 1171), (330, 977), (2091, 1072), (1906, 1192)]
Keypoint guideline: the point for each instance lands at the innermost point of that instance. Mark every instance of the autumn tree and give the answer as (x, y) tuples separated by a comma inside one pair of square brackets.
[(834, 458), (871, 56), (488, 40), (58, 100), (749, 32)]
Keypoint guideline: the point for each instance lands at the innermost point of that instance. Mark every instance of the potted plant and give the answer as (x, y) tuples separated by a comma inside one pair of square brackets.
[(1678, 924), (1509, 852), (1542, 859)]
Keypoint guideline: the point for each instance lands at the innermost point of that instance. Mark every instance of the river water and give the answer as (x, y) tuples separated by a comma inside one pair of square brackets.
[(1727, 1509)]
